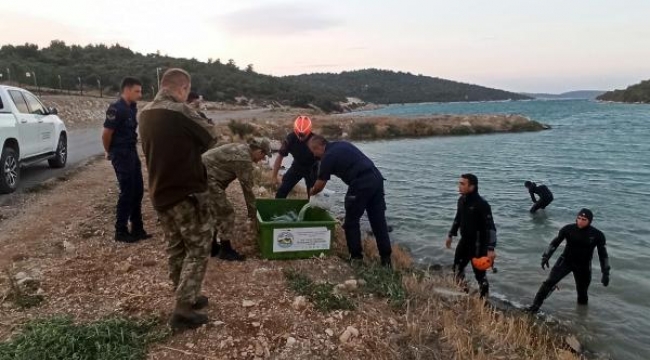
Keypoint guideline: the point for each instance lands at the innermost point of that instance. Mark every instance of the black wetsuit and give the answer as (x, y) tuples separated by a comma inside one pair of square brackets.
[(545, 197), (576, 259), (478, 235)]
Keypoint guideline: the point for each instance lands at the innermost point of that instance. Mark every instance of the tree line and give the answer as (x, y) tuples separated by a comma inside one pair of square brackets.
[(94, 67), (639, 93), (389, 87)]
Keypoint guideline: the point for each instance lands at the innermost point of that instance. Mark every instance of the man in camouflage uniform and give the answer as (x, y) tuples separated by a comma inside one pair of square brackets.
[(225, 164), (173, 138)]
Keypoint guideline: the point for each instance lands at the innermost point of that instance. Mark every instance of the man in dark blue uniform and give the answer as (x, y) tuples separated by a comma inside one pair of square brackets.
[(581, 240), (365, 192), (119, 138), (544, 193), (304, 162), (478, 235)]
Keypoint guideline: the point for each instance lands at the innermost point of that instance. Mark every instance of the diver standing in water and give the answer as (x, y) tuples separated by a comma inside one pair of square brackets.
[(581, 239), (477, 231)]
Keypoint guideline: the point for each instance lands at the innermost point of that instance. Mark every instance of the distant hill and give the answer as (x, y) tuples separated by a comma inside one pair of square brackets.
[(576, 95), (60, 66), (389, 87), (639, 93)]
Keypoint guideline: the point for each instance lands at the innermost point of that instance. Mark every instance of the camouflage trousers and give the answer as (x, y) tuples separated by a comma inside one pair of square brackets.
[(188, 231), (223, 212)]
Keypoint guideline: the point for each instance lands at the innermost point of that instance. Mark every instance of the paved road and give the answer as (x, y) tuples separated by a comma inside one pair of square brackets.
[(82, 144)]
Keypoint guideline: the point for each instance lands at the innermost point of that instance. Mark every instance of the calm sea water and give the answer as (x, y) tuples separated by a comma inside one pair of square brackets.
[(596, 156)]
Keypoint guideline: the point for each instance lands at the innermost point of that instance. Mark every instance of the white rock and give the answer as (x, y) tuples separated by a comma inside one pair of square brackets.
[(574, 344), (218, 323), (40, 291), (299, 303), (248, 303), (68, 246), (345, 337), (21, 275), (291, 341), (353, 331), (256, 324), (329, 332), (361, 282), (351, 284)]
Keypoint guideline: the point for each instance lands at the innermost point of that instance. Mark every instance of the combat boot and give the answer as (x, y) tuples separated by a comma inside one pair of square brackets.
[(200, 302), (229, 254), (385, 262), (123, 235), (140, 234), (184, 318)]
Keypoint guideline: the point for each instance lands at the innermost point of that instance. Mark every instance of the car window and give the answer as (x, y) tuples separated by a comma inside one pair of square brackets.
[(19, 100), (35, 106), (1, 104)]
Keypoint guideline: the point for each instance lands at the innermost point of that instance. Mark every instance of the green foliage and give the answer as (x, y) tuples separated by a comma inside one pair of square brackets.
[(389, 87), (241, 129), (363, 130), (320, 294), (59, 338), (639, 93), (86, 64), (383, 282)]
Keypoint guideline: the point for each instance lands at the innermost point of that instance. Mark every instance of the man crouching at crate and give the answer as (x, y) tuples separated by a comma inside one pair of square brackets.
[(225, 164)]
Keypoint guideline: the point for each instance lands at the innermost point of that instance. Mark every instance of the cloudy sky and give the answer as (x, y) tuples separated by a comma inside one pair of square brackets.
[(518, 45)]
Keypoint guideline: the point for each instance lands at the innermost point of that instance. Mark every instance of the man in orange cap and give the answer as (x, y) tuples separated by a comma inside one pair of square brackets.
[(304, 163)]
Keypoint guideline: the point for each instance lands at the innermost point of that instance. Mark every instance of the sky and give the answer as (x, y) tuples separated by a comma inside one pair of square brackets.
[(517, 45)]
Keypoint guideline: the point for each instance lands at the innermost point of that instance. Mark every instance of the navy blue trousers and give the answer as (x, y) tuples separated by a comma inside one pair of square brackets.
[(128, 171), (293, 177), (366, 194)]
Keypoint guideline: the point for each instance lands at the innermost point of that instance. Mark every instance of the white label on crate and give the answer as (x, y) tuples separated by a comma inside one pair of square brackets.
[(301, 239)]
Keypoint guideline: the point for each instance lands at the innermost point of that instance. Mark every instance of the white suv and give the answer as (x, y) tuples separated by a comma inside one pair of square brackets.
[(29, 133)]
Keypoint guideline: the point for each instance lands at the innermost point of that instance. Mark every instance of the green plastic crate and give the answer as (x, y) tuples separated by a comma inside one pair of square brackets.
[(293, 240)]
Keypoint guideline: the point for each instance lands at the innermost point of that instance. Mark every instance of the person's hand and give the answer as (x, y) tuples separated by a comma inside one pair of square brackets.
[(492, 255), (605, 279), (448, 242), (545, 263)]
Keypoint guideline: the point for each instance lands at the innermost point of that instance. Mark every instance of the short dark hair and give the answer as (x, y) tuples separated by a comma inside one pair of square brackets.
[(471, 178), (318, 139), (192, 96), (129, 82), (528, 184)]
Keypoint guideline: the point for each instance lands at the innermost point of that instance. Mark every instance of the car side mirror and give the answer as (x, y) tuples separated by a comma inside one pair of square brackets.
[(52, 111)]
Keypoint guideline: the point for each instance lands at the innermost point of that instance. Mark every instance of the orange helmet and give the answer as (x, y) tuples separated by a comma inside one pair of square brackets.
[(482, 263), (302, 125)]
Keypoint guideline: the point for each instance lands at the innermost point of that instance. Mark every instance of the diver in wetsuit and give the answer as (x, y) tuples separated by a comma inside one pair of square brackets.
[(545, 196), (581, 239)]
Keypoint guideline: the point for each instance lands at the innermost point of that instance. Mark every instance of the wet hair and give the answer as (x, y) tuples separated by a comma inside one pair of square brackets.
[(175, 78), (128, 82), (471, 179), (528, 184)]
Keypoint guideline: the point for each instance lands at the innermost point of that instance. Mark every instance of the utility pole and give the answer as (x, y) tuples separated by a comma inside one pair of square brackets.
[(99, 85), (9, 76), (29, 74), (81, 88), (158, 76), (60, 84)]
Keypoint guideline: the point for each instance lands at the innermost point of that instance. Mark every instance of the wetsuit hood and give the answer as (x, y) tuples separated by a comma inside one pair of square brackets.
[(587, 214)]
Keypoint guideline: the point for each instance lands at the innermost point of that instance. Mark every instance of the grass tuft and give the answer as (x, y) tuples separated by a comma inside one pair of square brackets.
[(60, 338), (321, 295)]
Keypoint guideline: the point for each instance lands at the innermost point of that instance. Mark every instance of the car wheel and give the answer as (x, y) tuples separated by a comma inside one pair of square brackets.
[(61, 157), (10, 168)]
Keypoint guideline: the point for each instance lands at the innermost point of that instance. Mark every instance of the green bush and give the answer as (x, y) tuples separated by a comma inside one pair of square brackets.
[(240, 129)]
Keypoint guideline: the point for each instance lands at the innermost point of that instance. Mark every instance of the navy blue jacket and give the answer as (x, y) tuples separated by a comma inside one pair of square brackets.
[(121, 118)]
